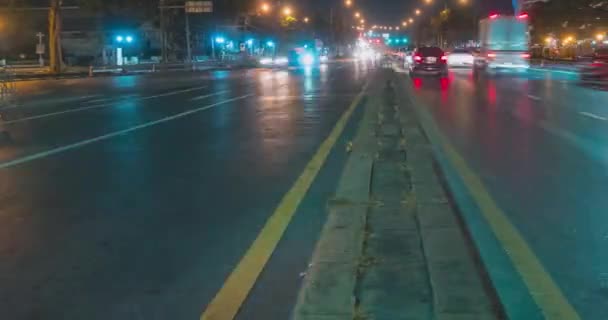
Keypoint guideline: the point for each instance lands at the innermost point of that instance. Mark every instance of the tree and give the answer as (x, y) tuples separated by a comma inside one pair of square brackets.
[(561, 16)]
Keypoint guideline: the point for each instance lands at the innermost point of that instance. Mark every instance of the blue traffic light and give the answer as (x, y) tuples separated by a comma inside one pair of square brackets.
[(129, 39), (220, 40), (119, 38)]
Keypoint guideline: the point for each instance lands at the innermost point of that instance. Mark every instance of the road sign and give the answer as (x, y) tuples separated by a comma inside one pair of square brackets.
[(40, 48), (199, 6)]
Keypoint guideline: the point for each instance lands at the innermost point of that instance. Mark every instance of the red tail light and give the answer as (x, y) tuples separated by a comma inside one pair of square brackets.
[(494, 16), (523, 16), (444, 58), (417, 58), (491, 55), (525, 55)]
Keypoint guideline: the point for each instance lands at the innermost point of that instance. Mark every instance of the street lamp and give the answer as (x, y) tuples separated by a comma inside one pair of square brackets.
[(265, 7), (410, 20), (463, 2), (428, 1), (348, 3), (600, 36), (362, 21), (357, 15), (306, 20), (417, 12), (287, 11), (404, 23)]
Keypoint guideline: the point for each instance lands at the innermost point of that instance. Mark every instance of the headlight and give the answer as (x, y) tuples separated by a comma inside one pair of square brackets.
[(265, 61), (281, 60), (323, 59), (308, 59)]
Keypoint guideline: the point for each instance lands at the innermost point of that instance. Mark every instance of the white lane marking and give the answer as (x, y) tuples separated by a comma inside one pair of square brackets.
[(593, 116), (534, 97), (47, 153), (98, 106), (205, 96), (100, 100), (555, 71), (596, 151)]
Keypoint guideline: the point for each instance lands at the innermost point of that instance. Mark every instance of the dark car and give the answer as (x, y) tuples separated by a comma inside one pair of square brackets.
[(596, 72), (601, 54), (429, 60)]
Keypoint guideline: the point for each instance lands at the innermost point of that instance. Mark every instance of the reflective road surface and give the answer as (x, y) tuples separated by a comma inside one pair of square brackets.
[(539, 142), (134, 197)]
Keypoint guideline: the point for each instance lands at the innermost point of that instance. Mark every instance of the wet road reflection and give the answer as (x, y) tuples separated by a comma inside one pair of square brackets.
[(148, 223), (543, 163)]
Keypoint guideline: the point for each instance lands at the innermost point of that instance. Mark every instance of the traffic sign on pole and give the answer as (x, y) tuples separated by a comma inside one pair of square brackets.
[(199, 6)]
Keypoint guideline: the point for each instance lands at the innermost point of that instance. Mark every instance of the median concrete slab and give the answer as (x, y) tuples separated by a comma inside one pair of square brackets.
[(392, 247)]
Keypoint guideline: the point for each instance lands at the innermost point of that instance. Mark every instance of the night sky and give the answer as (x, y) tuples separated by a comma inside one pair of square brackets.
[(393, 11)]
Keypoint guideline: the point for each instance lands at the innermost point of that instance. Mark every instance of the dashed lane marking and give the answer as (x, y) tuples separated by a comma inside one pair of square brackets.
[(54, 151), (541, 286), (98, 106), (205, 96), (593, 116)]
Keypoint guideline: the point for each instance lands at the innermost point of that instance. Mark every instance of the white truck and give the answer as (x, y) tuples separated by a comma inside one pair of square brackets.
[(504, 43)]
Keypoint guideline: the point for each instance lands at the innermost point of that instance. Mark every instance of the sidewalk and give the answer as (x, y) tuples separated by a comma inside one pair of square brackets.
[(23, 74), (392, 247)]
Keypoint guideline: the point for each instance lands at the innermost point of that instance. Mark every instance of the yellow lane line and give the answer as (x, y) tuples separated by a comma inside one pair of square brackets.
[(545, 292), (227, 302)]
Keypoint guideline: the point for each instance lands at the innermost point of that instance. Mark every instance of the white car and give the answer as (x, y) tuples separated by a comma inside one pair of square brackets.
[(461, 58)]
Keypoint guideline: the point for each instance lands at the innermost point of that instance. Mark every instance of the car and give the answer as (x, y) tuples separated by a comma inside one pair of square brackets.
[(601, 54), (429, 60), (461, 58), (596, 72)]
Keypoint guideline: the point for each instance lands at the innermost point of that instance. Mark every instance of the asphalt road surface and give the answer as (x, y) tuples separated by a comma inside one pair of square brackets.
[(539, 143), (134, 197)]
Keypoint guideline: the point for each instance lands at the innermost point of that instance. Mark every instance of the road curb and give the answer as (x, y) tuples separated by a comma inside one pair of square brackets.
[(328, 288), (523, 288), (391, 247)]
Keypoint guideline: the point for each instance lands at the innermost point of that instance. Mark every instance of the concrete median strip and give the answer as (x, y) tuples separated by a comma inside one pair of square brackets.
[(525, 289), (391, 247), (228, 300)]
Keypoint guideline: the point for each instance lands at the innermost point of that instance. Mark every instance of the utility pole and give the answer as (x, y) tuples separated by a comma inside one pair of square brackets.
[(163, 34), (55, 54), (54, 19), (188, 45)]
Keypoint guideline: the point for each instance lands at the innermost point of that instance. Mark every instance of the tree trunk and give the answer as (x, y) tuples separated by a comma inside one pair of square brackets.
[(55, 54)]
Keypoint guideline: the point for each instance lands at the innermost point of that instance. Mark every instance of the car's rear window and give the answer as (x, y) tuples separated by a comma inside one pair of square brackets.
[(431, 51), (461, 51)]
